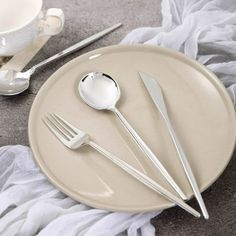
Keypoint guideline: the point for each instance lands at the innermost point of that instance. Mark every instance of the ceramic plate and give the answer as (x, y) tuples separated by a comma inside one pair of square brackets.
[(199, 108)]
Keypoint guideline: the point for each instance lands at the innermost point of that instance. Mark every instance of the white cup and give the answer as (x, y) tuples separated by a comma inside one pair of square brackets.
[(22, 21)]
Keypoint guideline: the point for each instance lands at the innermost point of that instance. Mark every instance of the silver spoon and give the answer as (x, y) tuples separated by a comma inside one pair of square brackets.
[(13, 82), (102, 92)]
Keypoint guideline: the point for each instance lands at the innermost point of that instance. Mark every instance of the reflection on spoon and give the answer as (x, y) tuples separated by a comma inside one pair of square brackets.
[(13, 82), (102, 92)]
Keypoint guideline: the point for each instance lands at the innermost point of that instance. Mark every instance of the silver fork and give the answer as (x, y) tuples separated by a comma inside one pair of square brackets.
[(74, 138)]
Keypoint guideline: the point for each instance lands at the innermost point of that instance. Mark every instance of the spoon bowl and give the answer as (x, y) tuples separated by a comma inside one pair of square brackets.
[(99, 91), (13, 82)]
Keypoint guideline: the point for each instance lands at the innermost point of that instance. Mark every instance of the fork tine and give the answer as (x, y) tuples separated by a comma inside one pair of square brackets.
[(64, 127), (68, 135), (65, 123), (48, 123)]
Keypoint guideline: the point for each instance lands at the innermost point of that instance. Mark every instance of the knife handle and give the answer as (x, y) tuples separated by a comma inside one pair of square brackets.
[(151, 156), (187, 168), (76, 47)]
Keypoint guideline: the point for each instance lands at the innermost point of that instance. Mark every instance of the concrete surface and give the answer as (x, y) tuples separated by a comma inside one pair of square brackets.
[(84, 18)]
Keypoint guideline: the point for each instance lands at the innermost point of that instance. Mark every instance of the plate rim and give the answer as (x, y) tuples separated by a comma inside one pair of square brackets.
[(213, 79)]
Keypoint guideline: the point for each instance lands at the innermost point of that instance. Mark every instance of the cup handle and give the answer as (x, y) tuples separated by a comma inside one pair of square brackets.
[(51, 22)]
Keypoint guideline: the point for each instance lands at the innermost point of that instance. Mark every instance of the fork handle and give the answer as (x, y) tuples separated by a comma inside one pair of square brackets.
[(150, 183)]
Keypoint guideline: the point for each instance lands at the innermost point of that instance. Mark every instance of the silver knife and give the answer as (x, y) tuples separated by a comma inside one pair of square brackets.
[(155, 92)]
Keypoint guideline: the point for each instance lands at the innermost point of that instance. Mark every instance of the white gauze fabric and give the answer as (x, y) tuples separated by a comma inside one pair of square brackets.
[(30, 205), (202, 29)]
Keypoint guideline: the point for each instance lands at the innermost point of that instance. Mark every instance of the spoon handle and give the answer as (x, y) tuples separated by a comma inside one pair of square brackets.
[(146, 150), (150, 183), (75, 47)]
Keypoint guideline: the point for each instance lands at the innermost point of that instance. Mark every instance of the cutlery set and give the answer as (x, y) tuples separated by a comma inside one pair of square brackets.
[(100, 91)]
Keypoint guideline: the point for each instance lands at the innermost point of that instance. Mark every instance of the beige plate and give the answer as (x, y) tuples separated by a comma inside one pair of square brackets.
[(199, 108)]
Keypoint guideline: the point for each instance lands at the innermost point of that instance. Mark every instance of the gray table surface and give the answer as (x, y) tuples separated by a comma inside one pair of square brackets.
[(84, 18)]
